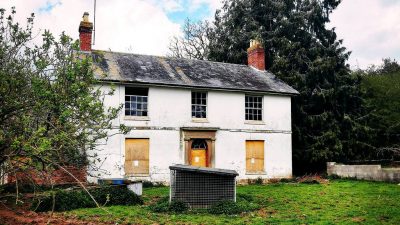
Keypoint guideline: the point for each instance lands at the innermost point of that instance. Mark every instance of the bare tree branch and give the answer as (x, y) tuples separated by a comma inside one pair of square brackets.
[(194, 44)]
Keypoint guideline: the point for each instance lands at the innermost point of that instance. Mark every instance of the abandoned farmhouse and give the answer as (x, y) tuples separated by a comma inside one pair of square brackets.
[(193, 112)]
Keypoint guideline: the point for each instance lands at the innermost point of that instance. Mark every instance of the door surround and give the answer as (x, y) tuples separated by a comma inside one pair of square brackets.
[(208, 134)]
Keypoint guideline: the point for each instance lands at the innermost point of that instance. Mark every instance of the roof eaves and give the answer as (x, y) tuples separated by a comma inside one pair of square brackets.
[(201, 87)]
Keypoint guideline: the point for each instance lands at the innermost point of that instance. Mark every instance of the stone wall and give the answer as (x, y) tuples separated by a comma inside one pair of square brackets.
[(364, 172)]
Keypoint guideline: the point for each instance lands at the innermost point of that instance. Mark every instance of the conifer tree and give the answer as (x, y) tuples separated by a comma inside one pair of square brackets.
[(328, 122)]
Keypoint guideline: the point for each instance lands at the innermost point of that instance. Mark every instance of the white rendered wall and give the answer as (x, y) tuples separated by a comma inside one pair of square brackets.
[(170, 110)]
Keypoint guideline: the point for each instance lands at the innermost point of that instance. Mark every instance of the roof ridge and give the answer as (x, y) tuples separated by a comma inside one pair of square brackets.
[(133, 67), (169, 57)]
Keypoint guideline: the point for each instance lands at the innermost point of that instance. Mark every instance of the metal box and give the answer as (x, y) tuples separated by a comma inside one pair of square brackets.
[(201, 187)]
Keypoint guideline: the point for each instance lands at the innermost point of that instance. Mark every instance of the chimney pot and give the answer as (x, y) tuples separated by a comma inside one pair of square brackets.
[(85, 33), (256, 55), (85, 17)]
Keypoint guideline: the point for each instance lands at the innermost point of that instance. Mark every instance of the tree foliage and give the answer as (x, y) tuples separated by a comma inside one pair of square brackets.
[(381, 85), (328, 115), (328, 120), (51, 107)]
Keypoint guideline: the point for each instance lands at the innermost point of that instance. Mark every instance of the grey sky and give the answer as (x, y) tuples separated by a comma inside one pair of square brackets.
[(370, 28)]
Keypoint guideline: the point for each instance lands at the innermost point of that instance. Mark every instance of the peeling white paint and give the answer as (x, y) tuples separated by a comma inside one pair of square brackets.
[(170, 110)]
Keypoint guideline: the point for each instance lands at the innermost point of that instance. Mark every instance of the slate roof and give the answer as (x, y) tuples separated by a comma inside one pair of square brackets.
[(196, 169), (165, 71)]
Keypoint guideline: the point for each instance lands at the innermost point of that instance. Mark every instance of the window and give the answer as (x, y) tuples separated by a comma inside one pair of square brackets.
[(136, 101), (136, 156), (199, 144), (254, 156), (199, 104), (254, 108)]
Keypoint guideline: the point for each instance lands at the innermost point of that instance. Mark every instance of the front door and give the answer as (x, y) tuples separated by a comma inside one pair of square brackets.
[(198, 153)]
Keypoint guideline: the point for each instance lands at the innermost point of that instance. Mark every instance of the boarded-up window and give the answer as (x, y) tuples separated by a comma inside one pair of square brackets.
[(136, 156), (254, 156)]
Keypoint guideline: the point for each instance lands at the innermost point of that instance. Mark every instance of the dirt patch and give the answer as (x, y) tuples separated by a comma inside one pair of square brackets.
[(312, 179), (19, 217), (358, 219)]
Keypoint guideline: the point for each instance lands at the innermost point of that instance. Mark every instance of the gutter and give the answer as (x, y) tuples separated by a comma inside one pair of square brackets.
[(197, 87)]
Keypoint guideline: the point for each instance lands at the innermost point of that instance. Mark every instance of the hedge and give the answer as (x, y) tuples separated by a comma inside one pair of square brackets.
[(68, 200)]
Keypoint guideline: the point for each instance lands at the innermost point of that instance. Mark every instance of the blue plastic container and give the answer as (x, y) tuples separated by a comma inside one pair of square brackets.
[(111, 181)]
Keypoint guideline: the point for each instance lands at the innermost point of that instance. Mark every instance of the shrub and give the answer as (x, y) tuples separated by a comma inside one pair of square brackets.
[(115, 195), (163, 205), (230, 207), (257, 181), (244, 204), (69, 200), (63, 201), (178, 206), (225, 207)]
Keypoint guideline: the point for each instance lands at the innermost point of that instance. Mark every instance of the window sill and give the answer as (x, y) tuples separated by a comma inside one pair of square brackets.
[(257, 173), (137, 118), (137, 175), (200, 120), (254, 122)]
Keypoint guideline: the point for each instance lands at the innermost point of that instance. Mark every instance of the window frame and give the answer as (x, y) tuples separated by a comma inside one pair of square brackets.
[(194, 104), (137, 117), (253, 108)]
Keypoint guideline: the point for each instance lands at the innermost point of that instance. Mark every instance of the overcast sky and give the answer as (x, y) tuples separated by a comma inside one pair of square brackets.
[(370, 28)]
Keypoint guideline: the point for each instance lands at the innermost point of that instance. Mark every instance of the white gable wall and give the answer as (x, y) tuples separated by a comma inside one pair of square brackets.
[(170, 110)]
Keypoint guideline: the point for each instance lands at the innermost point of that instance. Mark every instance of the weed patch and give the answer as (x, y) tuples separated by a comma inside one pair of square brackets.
[(339, 202)]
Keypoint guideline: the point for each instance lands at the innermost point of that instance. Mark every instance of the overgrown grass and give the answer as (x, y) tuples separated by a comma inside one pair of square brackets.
[(338, 202)]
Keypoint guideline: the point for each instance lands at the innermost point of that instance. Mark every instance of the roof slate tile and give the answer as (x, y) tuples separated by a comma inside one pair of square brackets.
[(156, 70)]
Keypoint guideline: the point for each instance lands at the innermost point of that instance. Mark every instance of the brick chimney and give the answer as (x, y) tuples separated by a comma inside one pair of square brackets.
[(256, 55), (85, 33)]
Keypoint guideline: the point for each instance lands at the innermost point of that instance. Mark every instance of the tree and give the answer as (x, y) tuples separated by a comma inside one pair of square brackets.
[(381, 86), (194, 42), (51, 106), (328, 122)]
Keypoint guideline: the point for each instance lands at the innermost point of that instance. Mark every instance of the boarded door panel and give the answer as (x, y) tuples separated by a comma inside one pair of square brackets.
[(254, 156), (136, 156), (199, 157)]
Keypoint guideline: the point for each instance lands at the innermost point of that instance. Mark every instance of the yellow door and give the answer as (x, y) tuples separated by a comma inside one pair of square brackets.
[(199, 157), (254, 156), (136, 156)]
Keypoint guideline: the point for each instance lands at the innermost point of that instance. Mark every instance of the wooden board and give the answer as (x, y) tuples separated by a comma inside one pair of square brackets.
[(136, 156), (254, 156), (199, 157)]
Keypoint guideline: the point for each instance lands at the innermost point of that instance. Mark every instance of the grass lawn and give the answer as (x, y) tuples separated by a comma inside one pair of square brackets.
[(338, 202)]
